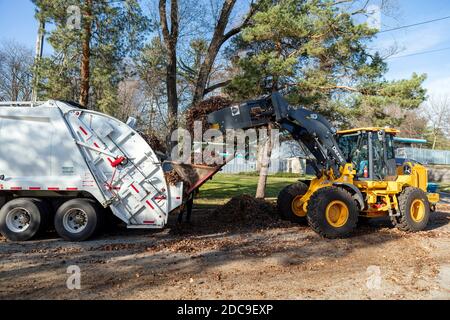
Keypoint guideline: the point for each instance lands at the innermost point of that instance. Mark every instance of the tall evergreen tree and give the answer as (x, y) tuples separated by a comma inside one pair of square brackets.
[(89, 58), (316, 53)]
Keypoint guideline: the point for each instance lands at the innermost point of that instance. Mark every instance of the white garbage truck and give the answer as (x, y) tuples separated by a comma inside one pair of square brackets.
[(62, 164)]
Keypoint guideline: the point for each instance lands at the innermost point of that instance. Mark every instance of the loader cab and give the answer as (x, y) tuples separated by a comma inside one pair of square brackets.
[(371, 150)]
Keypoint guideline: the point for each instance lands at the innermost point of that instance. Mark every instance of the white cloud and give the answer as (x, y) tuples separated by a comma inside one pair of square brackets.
[(438, 87)]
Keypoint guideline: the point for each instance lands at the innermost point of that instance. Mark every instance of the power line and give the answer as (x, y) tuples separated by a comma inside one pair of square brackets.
[(415, 24), (419, 53)]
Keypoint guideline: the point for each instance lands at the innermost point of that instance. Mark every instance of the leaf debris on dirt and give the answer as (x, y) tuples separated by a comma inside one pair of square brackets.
[(248, 211)]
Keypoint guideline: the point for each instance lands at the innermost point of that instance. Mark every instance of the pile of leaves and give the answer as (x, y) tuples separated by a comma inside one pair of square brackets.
[(172, 177), (154, 141), (201, 111), (248, 210)]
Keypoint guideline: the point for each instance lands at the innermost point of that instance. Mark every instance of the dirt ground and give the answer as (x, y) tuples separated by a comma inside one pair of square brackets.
[(208, 259)]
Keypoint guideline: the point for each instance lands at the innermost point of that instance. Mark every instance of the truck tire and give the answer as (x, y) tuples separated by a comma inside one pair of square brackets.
[(44, 209), (288, 205), (332, 213), (77, 220), (21, 219), (414, 210)]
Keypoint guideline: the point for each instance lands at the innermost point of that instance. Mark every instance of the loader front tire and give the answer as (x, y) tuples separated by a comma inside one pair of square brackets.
[(77, 220), (332, 213), (414, 210), (289, 205), (21, 219)]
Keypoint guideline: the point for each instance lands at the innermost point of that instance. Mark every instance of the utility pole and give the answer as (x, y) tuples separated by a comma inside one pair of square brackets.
[(38, 56)]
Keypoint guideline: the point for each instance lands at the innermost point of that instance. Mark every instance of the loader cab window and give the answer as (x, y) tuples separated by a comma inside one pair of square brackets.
[(390, 148), (384, 164), (378, 150), (390, 155), (356, 150)]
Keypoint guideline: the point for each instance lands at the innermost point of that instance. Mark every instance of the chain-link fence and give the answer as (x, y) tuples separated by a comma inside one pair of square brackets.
[(425, 156)]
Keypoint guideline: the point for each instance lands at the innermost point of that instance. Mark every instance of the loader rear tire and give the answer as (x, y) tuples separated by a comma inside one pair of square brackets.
[(21, 219), (414, 210), (288, 205), (77, 220), (332, 213)]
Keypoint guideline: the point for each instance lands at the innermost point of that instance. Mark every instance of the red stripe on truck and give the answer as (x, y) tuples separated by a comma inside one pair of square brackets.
[(83, 130), (149, 222), (71, 189), (96, 145), (134, 188), (34, 188), (53, 189), (16, 188), (149, 204)]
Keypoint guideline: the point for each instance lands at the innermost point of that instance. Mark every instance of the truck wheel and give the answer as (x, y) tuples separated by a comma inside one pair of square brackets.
[(414, 210), (77, 220), (289, 205), (21, 219), (44, 209), (332, 213)]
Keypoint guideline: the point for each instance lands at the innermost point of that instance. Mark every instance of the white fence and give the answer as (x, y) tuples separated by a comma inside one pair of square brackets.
[(425, 156)]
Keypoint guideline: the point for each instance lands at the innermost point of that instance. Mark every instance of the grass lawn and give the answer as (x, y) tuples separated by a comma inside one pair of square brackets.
[(225, 186), (444, 187)]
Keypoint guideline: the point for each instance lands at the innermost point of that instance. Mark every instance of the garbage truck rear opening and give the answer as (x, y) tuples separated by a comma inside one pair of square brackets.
[(63, 165)]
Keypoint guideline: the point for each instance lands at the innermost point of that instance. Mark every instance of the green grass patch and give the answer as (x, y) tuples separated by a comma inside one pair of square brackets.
[(444, 187), (226, 186)]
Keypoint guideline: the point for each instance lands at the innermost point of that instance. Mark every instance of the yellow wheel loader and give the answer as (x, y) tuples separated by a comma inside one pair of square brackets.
[(357, 174)]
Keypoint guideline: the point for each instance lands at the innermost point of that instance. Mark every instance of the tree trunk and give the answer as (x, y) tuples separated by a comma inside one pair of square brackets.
[(434, 140), (172, 96), (217, 41), (86, 54), (265, 164), (38, 56), (214, 47), (170, 41)]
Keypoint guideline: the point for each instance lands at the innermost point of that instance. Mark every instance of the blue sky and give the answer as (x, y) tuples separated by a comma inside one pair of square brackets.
[(17, 22)]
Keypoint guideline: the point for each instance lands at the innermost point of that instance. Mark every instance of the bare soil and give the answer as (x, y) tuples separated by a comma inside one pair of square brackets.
[(216, 258)]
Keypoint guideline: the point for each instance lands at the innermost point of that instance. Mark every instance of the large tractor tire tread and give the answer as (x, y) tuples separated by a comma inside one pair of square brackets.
[(316, 212), (404, 222), (285, 199)]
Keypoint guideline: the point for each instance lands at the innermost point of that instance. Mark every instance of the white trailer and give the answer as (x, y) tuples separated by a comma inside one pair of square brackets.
[(62, 163)]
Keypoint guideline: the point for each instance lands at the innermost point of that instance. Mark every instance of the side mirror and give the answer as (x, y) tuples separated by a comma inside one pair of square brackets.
[(132, 122)]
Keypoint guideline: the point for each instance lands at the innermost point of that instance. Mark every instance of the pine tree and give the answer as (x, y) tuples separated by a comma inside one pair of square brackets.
[(88, 62), (317, 55)]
